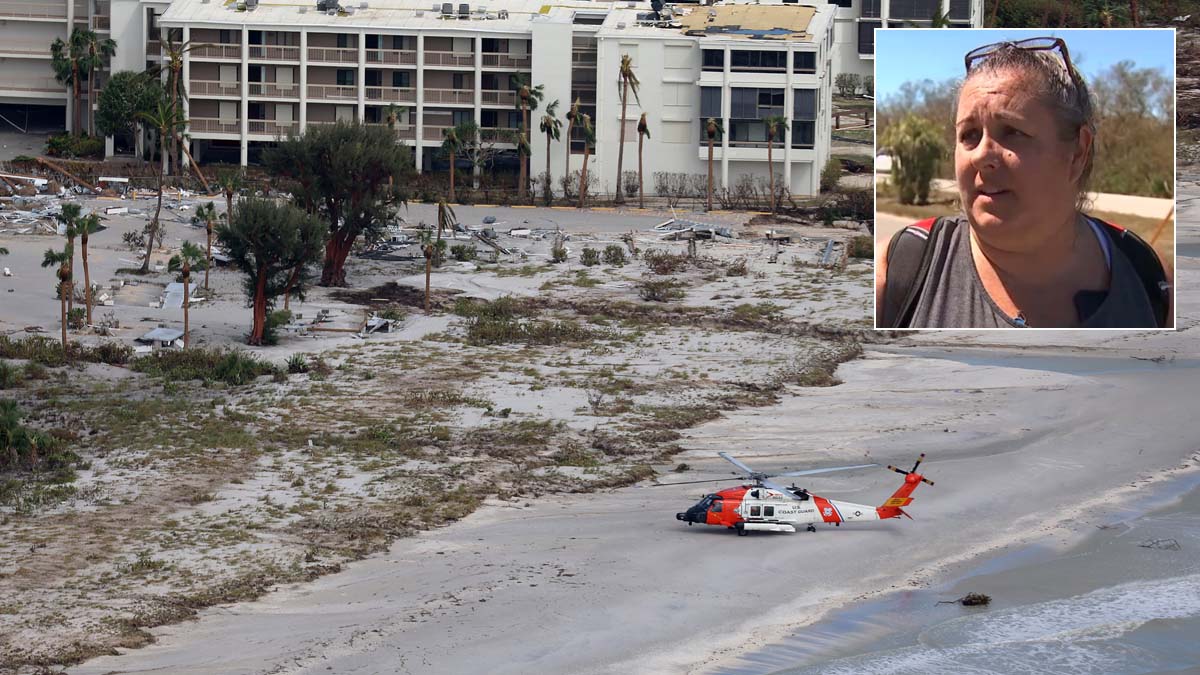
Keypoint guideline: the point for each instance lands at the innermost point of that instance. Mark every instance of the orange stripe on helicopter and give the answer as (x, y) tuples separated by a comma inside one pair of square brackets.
[(829, 512)]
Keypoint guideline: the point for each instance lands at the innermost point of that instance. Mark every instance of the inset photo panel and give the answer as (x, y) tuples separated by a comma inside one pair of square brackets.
[(1025, 178)]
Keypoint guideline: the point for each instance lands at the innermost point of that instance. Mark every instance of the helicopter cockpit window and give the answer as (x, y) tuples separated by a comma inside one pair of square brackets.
[(716, 506)]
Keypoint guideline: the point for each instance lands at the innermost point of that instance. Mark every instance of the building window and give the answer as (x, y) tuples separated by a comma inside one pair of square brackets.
[(226, 37), (804, 117), (960, 10), (460, 81), (714, 59), (461, 117), (343, 41), (757, 60), (755, 104), (710, 102), (841, 3), (866, 37), (401, 79), (345, 77), (914, 9), (804, 62), (871, 9)]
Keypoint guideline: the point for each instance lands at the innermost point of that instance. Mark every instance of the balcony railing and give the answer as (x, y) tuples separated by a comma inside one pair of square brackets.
[(272, 127), (466, 96), (274, 89), (27, 48), (392, 57), (498, 97), (403, 133), (497, 135), (153, 48), (34, 10), (334, 91), (433, 132), (392, 94), (275, 52), (214, 88), (214, 126), (506, 61), (36, 84), (449, 58), (583, 57), (100, 22), (209, 50), (333, 54)]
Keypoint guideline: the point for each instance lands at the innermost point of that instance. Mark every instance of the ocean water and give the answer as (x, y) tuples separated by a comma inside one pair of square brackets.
[(1108, 605)]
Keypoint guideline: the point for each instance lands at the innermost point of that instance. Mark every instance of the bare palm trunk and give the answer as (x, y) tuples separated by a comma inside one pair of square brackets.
[(87, 281), (75, 103), (567, 163), (770, 172), (258, 330), (71, 278), (62, 301), (291, 283), (621, 145), (154, 224), (549, 183), (1133, 12), (451, 176), (583, 177), (187, 282), (428, 272), (710, 180), (207, 255), (91, 102), (995, 9), (523, 174), (641, 183)]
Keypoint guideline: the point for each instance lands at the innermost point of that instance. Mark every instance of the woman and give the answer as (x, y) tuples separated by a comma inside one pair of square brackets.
[(1024, 253)]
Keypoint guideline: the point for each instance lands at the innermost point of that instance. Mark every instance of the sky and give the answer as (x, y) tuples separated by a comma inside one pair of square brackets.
[(903, 55)]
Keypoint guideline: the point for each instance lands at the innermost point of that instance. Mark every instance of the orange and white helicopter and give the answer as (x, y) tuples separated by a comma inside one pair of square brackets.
[(766, 506)]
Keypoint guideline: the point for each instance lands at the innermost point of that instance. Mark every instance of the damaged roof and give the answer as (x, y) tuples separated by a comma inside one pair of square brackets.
[(751, 22)]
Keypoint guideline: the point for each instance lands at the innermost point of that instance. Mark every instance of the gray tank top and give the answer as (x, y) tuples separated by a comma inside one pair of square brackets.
[(952, 294)]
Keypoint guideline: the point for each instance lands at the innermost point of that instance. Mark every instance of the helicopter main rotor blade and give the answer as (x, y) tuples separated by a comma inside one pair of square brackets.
[(782, 489), (749, 472), (811, 472), (693, 482)]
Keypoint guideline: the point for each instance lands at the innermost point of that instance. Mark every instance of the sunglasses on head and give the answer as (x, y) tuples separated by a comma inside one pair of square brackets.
[(1036, 44)]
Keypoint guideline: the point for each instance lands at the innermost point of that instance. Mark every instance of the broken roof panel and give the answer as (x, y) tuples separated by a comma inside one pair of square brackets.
[(161, 335), (751, 22)]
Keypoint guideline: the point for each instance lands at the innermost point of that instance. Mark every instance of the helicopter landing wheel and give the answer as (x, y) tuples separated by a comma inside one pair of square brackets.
[(811, 527), (741, 530)]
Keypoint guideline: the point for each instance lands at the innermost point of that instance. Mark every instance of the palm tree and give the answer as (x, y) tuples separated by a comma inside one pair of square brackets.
[(98, 51), (629, 81), (173, 52), (528, 99), (165, 119), (572, 116), (70, 217), (451, 145), (206, 214), (430, 246), (589, 139), (1133, 13), (231, 184), (66, 59), (551, 126), (87, 226), (713, 130), (63, 260), (187, 282), (643, 133), (776, 125), (995, 9), (392, 115)]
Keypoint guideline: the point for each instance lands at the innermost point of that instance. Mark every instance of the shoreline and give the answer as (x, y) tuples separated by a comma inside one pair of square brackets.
[(591, 537), (855, 629)]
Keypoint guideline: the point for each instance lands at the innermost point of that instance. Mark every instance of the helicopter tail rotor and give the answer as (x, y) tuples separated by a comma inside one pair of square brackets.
[(913, 471), (893, 507)]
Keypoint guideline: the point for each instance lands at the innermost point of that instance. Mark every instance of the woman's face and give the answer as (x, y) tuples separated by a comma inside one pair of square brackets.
[(1016, 177)]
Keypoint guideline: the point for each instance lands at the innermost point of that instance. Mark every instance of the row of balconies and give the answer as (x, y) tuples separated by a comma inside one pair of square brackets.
[(489, 97), (406, 132), (44, 9), (395, 57)]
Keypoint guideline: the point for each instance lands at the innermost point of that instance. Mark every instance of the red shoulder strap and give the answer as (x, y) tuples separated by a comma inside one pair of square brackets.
[(926, 224)]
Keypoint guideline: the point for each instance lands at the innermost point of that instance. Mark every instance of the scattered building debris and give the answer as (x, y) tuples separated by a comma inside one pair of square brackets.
[(162, 338), (1161, 544)]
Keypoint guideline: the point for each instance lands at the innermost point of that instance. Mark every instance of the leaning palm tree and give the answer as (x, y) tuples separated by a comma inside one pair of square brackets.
[(63, 260), (551, 126), (629, 81), (88, 226), (528, 98), (713, 130), (206, 214), (572, 116), (98, 52), (776, 125), (589, 139), (451, 145), (165, 118), (67, 58), (70, 217), (643, 133)]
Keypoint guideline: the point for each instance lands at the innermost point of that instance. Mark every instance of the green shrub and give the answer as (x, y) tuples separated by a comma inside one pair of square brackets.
[(590, 257), (660, 290), (49, 352), (69, 146), (297, 363), (737, 268), (614, 254), (231, 366), (661, 262), (830, 174), (10, 376), (25, 449), (463, 252), (558, 253), (860, 246)]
